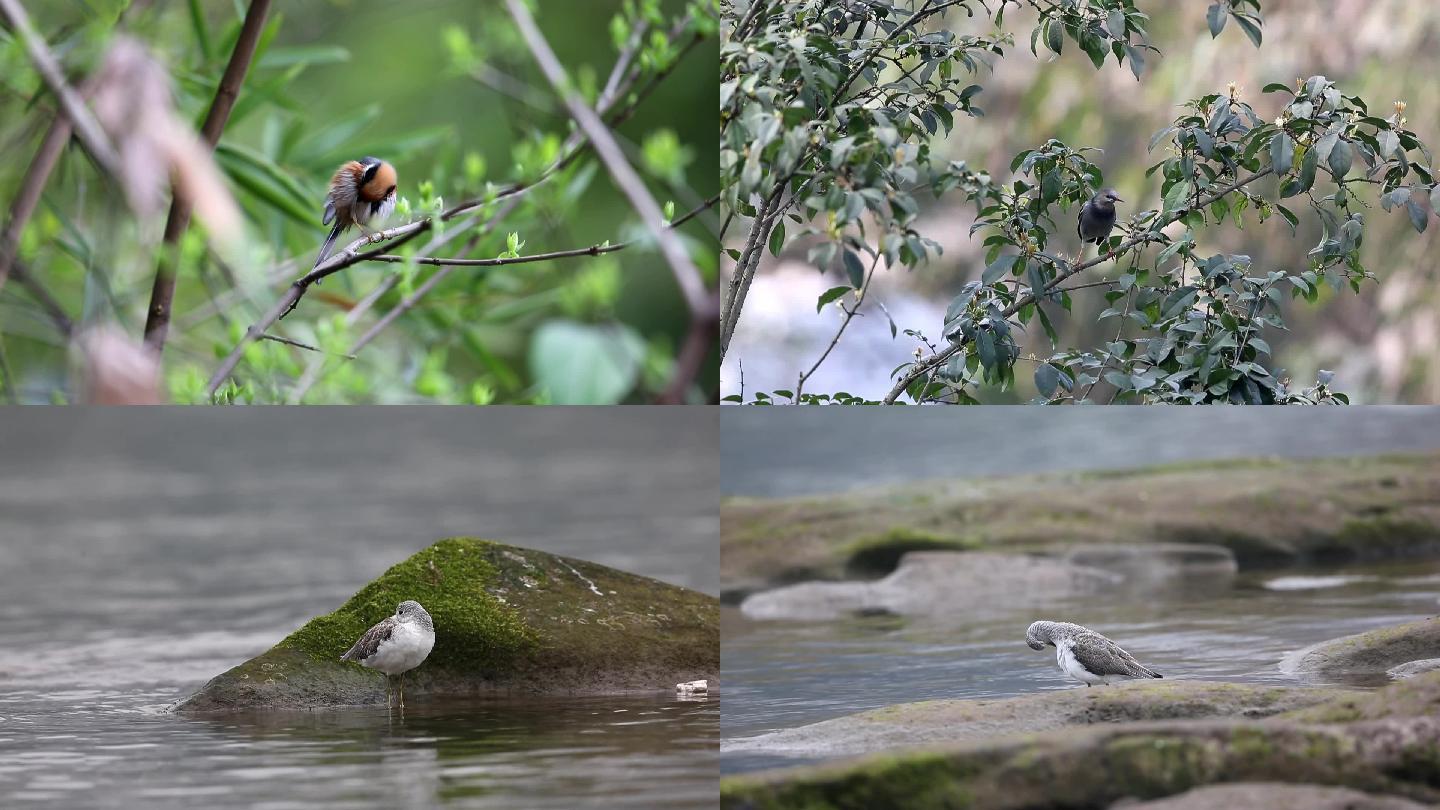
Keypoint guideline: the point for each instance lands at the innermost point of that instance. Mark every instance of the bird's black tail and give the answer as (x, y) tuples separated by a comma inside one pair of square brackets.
[(329, 243)]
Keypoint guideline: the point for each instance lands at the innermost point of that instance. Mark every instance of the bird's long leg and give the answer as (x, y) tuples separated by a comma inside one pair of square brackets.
[(402, 693), (387, 692)]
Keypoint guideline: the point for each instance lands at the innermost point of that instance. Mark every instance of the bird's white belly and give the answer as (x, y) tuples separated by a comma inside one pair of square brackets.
[(1065, 657), (403, 651)]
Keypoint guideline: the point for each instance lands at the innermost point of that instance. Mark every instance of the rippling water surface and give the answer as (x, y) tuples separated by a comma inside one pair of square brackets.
[(146, 551)]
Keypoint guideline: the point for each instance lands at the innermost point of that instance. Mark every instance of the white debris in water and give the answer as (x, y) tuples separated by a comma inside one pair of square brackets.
[(693, 687), (593, 589), (1312, 583)]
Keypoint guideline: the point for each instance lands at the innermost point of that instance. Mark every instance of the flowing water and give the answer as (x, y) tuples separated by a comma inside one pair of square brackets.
[(785, 674), (146, 551)]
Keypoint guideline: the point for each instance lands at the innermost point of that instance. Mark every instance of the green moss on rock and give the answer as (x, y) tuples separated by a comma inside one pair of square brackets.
[(506, 619), (1268, 512)]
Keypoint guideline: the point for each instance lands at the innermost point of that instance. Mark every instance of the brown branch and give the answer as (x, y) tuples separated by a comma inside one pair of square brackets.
[(593, 250), (31, 189), (922, 367), (162, 293)]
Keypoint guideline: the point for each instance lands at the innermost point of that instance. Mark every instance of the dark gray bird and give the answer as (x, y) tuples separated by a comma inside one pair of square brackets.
[(1085, 655), (1097, 217)]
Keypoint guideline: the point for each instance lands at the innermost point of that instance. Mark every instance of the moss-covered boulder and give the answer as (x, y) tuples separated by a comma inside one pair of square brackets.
[(1383, 742), (1268, 513), (943, 722), (1096, 766), (506, 619), (1370, 653)]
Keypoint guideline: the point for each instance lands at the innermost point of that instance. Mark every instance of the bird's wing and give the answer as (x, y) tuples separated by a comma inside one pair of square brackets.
[(1080, 221), (1102, 656), (371, 641), (329, 212)]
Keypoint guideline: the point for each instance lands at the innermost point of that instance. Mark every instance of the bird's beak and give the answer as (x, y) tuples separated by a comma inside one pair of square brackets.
[(1119, 199)]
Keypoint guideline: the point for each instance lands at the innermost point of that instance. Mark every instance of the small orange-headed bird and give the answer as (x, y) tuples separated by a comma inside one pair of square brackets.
[(361, 191)]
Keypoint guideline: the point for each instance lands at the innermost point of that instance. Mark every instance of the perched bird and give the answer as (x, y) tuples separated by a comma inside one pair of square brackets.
[(1085, 655), (1097, 217), (396, 645), (361, 191)]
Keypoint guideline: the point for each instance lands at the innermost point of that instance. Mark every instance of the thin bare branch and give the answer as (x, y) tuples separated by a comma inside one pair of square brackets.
[(306, 346), (31, 188), (687, 275)]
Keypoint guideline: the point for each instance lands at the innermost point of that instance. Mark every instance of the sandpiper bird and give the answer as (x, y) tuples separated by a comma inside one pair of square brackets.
[(396, 645), (1085, 655)]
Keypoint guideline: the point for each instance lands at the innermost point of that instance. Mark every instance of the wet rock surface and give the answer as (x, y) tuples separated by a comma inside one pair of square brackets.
[(941, 722), (1271, 796), (507, 619), (1401, 647), (1385, 743)]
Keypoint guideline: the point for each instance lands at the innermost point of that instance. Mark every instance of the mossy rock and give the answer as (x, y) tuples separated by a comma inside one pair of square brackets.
[(1269, 513), (945, 722), (1370, 653), (507, 619), (1096, 766), (1416, 696)]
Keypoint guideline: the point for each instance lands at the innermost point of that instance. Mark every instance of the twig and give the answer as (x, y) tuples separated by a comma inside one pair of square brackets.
[(162, 293), (687, 276), (42, 296), (448, 267), (593, 250), (921, 367), (849, 316), (31, 188), (87, 129), (297, 344)]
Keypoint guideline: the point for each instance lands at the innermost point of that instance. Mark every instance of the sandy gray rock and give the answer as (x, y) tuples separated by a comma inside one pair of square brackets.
[(931, 582), (1413, 668), (1272, 795), (1373, 652), (942, 722)]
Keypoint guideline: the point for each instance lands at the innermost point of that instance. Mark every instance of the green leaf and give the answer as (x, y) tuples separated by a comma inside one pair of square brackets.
[(1340, 159), (303, 54), (1047, 380), (202, 32), (1282, 152), (829, 295), (271, 184), (1215, 16), (584, 364), (854, 269), (1250, 28), (1418, 217), (1054, 36), (998, 269), (1115, 24), (777, 238)]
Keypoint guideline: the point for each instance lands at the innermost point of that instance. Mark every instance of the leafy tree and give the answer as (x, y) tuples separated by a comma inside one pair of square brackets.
[(518, 268), (828, 111)]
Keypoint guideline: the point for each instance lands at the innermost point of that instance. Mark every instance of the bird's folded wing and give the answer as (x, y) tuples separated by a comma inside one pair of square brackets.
[(1102, 656), (371, 641)]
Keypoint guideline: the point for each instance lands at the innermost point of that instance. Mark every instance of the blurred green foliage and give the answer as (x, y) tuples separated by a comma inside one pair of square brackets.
[(447, 92)]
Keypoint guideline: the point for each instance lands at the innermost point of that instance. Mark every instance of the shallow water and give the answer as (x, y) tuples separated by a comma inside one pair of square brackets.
[(143, 552), (785, 674)]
